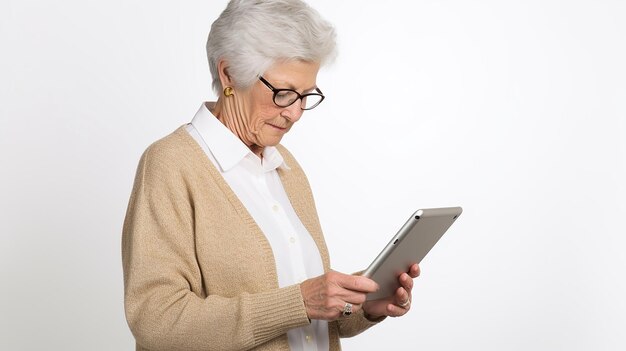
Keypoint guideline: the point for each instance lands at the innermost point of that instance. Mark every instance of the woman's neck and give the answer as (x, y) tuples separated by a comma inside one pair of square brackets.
[(225, 114)]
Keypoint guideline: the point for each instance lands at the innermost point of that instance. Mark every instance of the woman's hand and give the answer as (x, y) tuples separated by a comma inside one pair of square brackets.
[(325, 297), (398, 304)]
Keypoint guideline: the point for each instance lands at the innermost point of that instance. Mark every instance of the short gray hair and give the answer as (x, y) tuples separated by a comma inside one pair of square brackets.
[(252, 35)]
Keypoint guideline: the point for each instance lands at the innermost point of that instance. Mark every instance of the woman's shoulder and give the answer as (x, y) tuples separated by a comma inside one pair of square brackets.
[(171, 145), (178, 146), (171, 153)]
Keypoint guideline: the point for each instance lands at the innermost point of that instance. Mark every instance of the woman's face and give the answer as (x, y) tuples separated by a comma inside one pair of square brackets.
[(265, 122)]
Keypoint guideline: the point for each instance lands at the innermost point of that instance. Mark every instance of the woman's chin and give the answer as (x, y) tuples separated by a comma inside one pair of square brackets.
[(272, 136), (272, 141)]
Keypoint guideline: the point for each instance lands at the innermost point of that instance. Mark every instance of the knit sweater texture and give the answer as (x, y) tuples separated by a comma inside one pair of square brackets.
[(199, 273)]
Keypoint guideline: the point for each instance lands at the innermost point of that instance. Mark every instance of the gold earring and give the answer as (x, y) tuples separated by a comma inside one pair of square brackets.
[(228, 91)]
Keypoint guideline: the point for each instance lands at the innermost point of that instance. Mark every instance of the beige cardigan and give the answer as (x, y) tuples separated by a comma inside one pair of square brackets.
[(199, 274)]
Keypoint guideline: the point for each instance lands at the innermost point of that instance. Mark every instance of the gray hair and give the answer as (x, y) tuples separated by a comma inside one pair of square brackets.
[(252, 35)]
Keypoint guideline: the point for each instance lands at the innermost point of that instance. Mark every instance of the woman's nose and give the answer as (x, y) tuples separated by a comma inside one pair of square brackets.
[(293, 112)]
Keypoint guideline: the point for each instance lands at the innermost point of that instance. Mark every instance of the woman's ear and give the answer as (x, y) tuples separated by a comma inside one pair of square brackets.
[(225, 78)]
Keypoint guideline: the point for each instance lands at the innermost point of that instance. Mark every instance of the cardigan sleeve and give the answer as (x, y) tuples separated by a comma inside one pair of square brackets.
[(357, 322), (158, 254)]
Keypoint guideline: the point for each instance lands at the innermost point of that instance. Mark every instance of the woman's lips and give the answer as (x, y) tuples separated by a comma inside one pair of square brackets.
[(277, 127)]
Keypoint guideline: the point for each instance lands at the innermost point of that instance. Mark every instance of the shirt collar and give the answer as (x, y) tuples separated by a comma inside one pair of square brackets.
[(227, 149)]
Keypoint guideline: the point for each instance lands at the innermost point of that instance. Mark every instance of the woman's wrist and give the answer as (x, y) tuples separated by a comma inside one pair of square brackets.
[(371, 317)]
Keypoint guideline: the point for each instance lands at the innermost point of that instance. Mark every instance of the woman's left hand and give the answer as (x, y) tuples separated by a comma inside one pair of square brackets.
[(398, 304)]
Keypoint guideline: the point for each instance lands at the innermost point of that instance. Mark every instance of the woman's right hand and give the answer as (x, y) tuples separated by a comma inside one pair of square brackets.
[(325, 297)]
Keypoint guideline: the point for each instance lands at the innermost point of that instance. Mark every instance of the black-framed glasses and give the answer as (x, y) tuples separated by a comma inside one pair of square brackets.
[(286, 97)]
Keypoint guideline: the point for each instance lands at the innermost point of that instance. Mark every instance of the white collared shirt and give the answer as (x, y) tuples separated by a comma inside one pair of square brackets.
[(256, 183)]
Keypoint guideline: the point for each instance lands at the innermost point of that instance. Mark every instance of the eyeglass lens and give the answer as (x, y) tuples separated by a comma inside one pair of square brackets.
[(285, 98)]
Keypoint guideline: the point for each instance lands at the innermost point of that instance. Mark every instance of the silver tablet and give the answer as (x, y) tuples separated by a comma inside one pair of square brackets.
[(410, 245)]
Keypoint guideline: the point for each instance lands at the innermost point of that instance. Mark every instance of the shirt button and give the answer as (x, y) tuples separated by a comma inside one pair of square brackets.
[(292, 240), (308, 338), (275, 208)]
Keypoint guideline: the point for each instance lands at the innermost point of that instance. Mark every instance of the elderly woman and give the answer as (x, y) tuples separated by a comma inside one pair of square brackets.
[(222, 246)]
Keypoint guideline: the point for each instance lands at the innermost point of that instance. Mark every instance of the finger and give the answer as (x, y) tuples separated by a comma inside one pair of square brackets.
[(357, 298), (338, 289), (356, 283), (353, 297), (338, 294), (395, 311), (414, 271), (406, 281), (402, 298)]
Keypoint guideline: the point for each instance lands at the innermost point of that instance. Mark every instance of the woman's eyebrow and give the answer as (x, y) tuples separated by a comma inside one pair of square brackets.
[(310, 89), (292, 87)]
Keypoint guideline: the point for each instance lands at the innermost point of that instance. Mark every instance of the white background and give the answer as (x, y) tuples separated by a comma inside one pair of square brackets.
[(512, 109)]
